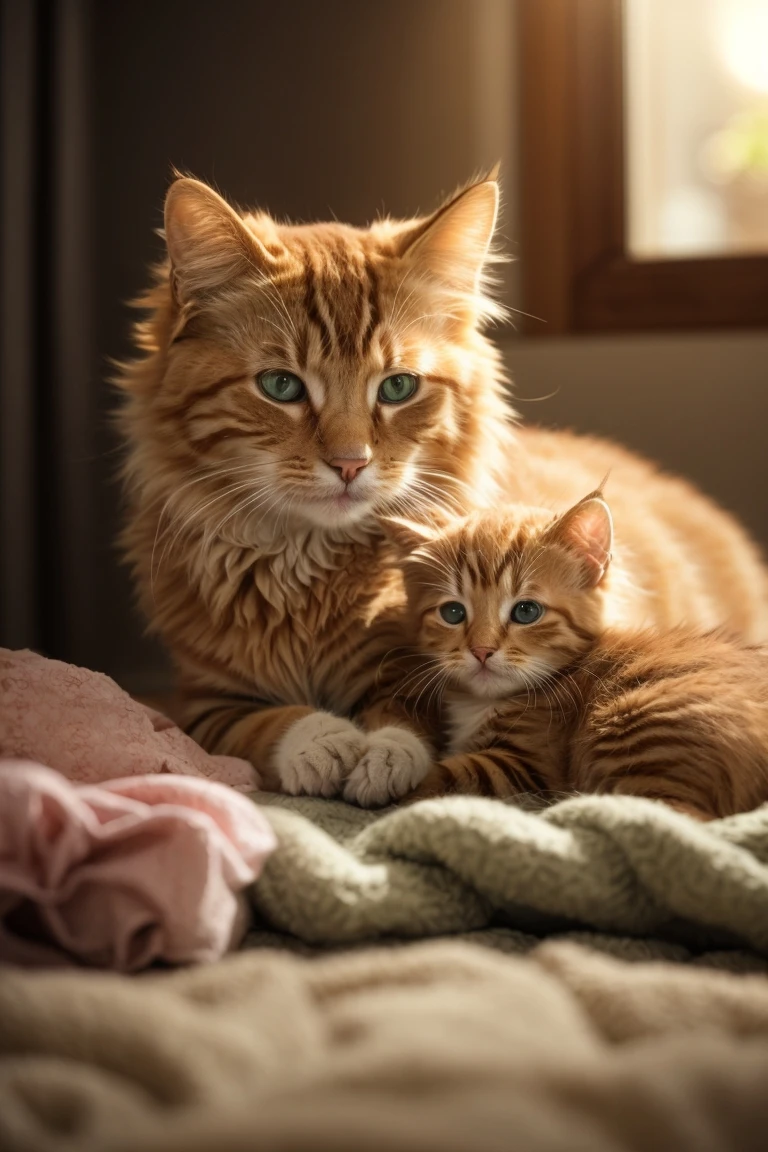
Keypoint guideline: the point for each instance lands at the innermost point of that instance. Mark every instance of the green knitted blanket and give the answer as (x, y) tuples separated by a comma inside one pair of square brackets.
[(627, 876)]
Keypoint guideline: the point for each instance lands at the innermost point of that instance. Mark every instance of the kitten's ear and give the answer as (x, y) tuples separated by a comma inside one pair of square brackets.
[(407, 534), (453, 243), (208, 243), (587, 529)]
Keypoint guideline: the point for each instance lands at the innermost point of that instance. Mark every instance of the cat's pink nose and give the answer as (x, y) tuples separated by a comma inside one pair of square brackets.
[(482, 654), (347, 469)]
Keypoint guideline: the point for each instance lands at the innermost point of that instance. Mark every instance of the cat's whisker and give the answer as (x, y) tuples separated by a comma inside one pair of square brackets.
[(236, 465), (213, 533), (436, 694), (197, 512), (382, 666), (428, 663), (440, 474), (434, 678), (418, 682), (274, 296), (394, 318), (435, 315), (208, 474), (185, 525), (254, 492)]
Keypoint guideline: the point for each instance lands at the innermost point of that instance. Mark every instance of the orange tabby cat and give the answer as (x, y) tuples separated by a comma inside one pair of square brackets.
[(507, 613), (292, 384)]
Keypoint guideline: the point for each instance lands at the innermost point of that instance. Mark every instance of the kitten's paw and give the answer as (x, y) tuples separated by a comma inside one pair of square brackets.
[(395, 762), (317, 754)]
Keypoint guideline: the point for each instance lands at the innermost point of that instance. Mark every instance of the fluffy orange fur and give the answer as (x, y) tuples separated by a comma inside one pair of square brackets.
[(506, 612), (260, 559)]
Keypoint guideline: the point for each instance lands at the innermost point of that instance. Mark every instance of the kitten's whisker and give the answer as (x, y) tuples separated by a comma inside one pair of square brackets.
[(435, 677), (420, 676), (440, 688)]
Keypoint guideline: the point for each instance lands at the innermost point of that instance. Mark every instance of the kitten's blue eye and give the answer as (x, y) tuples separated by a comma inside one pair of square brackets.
[(397, 388), (526, 611), (281, 386), (453, 612)]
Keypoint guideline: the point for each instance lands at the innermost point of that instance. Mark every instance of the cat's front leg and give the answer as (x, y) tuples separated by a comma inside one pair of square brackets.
[(394, 763), (294, 748), (318, 754), (399, 738)]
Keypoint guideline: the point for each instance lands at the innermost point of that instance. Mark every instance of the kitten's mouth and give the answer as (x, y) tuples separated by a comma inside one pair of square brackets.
[(493, 682)]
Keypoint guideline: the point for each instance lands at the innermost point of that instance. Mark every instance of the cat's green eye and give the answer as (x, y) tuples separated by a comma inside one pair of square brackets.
[(453, 612), (397, 388), (527, 612), (281, 386)]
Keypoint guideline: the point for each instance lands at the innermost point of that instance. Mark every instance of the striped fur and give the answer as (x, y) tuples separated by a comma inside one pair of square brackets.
[(562, 705), (269, 580)]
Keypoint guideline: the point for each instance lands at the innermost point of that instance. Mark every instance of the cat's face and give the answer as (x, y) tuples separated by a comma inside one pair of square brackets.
[(500, 601), (321, 371)]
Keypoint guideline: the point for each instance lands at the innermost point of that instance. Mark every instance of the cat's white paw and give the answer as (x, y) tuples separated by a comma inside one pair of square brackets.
[(395, 762), (317, 754)]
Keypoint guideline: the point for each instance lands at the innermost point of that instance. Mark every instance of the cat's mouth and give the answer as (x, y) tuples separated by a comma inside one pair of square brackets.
[(336, 507), (346, 499)]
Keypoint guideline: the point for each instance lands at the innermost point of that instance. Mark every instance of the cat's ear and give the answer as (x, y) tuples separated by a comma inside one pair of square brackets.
[(208, 244), (407, 534), (587, 529), (453, 243)]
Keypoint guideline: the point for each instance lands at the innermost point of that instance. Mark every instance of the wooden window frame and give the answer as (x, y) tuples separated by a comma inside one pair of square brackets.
[(577, 274)]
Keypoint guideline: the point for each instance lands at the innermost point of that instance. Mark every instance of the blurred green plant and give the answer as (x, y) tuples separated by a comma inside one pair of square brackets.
[(740, 148)]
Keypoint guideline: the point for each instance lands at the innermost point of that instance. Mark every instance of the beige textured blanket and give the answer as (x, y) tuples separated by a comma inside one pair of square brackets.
[(439, 1046)]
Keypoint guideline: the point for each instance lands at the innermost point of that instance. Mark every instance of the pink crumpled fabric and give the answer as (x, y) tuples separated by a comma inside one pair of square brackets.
[(123, 873), (120, 844)]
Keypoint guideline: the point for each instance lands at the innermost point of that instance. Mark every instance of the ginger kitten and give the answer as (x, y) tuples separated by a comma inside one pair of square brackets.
[(508, 609)]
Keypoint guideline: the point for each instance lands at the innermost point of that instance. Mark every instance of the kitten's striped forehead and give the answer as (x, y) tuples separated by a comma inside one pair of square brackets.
[(490, 550)]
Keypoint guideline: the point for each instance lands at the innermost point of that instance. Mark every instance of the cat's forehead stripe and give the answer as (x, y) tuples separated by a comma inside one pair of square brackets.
[(341, 300), (345, 291), (374, 306), (311, 306)]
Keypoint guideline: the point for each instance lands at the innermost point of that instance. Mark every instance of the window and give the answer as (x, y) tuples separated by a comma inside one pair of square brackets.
[(644, 164)]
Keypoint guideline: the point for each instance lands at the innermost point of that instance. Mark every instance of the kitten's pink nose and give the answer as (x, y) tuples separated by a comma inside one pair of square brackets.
[(482, 654), (346, 468)]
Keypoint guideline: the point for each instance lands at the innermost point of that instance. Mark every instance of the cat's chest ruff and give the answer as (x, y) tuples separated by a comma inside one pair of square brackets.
[(289, 571), (298, 559), (467, 717)]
